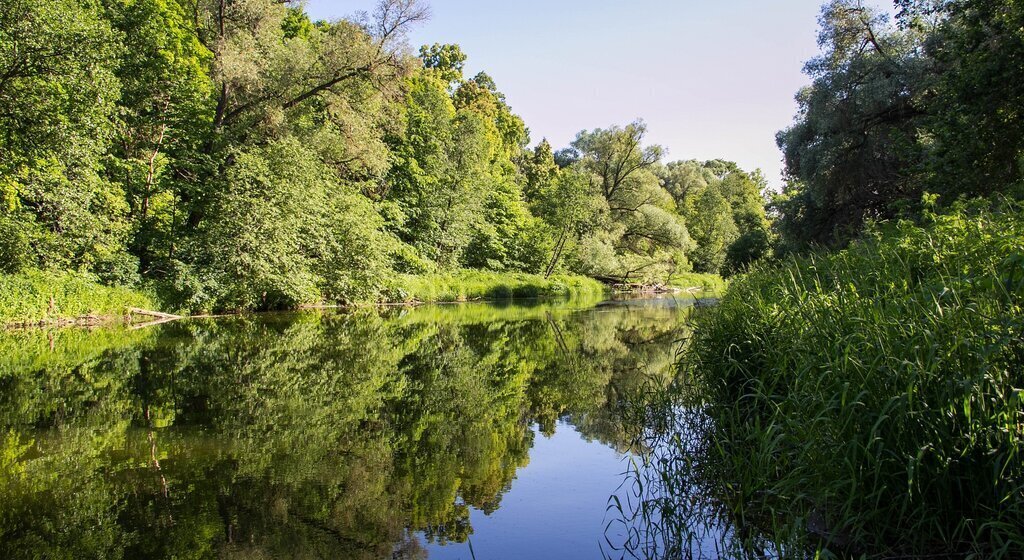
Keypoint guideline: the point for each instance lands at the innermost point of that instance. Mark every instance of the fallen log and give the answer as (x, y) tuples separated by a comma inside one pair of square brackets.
[(149, 313)]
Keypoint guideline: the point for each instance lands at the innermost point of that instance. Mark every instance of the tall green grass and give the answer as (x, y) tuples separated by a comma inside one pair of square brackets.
[(870, 402), (481, 285), (34, 296)]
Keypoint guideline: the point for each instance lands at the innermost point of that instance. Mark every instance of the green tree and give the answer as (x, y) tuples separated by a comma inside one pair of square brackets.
[(975, 92), (850, 153), (163, 114), (640, 226), (325, 94), (713, 228), (539, 171), (58, 91), (446, 60)]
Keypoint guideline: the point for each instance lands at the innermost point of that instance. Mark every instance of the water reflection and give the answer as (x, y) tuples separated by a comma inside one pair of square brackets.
[(673, 503), (375, 434)]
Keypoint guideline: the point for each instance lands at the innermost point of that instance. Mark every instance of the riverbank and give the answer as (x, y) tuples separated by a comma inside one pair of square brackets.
[(468, 285), (695, 281), (868, 402), (62, 298), (37, 298)]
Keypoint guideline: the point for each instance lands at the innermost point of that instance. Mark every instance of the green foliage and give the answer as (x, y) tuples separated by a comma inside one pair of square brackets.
[(240, 156), (443, 161), (931, 105), (508, 237), (284, 233), (59, 93), (725, 213), (32, 296), (473, 285), (163, 114), (973, 117), (854, 139), (867, 402), (631, 230), (446, 60), (713, 230)]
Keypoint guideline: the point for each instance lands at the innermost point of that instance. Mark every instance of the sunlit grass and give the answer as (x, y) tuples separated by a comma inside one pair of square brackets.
[(469, 285), (34, 296), (706, 283), (862, 403)]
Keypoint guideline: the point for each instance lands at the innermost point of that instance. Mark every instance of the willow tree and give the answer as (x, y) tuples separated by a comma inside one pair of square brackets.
[(636, 232), (854, 143)]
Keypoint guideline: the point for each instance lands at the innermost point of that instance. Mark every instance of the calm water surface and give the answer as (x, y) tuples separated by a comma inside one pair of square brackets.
[(469, 431)]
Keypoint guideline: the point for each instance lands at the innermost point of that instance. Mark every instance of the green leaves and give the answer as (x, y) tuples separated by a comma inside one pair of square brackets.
[(241, 156), (929, 106), (630, 214), (59, 91), (446, 61)]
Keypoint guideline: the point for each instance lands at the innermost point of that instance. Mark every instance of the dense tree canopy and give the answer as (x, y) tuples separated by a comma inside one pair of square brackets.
[(931, 104), (236, 154)]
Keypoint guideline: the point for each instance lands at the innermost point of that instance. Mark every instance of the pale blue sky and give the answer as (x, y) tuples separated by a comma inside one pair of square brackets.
[(710, 78)]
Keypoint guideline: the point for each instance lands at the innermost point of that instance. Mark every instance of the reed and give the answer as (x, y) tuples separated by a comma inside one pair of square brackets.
[(866, 403), (869, 402)]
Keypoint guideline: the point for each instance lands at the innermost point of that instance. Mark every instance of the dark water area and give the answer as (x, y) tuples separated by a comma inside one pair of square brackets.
[(461, 431)]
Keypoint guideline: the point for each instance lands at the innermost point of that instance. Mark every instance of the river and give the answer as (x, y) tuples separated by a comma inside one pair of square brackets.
[(459, 431)]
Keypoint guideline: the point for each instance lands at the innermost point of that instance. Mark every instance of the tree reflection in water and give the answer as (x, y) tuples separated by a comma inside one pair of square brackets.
[(354, 435)]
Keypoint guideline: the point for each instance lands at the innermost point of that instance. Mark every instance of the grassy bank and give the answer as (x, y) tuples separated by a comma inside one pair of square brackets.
[(710, 283), (37, 296), (472, 285), (869, 402)]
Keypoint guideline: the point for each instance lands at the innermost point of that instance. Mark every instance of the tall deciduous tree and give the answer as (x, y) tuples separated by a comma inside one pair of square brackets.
[(855, 139), (931, 105), (641, 228)]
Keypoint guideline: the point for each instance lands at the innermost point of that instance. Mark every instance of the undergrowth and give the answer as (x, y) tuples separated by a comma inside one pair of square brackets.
[(33, 296)]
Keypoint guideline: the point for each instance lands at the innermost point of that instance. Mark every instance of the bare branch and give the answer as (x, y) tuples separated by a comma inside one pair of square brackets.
[(392, 18)]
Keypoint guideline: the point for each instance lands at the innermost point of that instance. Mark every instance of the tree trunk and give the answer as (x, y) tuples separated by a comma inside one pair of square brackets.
[(558, 252)]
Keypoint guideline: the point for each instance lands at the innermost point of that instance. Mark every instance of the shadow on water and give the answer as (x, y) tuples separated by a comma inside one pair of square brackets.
[(373, 434)]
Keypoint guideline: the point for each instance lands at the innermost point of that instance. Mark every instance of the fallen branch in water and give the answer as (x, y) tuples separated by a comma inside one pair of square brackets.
[(147, 312), (136, 326)]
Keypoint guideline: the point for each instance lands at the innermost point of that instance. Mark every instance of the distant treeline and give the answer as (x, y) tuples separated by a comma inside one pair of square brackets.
[(236, 154)]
